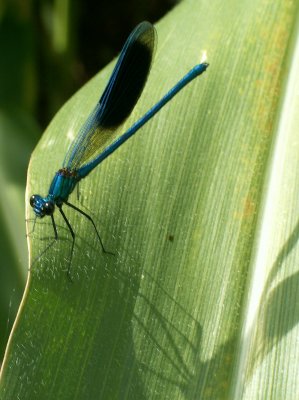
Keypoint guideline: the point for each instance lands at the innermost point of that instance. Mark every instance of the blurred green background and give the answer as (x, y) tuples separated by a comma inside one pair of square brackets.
[(49, 49)]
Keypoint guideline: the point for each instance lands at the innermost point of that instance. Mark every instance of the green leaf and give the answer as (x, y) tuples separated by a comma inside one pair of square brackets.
[(200, 299)]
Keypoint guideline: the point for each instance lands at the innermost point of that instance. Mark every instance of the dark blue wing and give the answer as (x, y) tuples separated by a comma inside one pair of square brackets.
[(119, 98)]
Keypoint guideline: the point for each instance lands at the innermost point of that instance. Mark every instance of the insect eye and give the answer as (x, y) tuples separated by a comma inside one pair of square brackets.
[(49, 208), (32, 200)]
